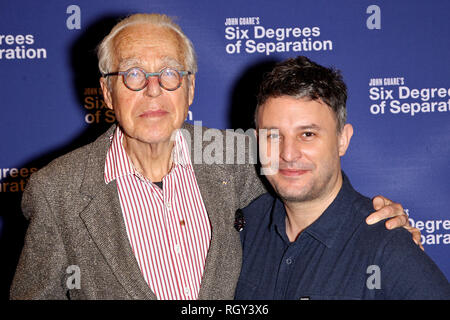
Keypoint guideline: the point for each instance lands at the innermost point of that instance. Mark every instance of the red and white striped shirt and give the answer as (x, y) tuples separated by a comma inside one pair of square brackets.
[(169, 229)]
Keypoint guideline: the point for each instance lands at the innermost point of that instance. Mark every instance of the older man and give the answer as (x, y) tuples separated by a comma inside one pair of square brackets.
[(310, 241), (130, 216)]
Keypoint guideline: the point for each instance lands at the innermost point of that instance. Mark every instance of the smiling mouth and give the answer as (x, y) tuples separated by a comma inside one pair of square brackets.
[(154, 113), (292, 172)]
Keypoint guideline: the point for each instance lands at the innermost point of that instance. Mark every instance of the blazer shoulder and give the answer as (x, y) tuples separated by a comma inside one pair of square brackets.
[(69, 168)]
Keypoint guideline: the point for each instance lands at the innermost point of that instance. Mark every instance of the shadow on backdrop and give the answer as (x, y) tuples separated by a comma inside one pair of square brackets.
[(243, 101), (85, 75)]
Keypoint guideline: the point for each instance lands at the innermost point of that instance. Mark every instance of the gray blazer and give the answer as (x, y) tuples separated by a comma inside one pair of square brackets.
[(76, 220)]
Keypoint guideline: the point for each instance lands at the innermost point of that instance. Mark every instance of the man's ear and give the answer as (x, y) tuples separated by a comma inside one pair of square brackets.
[(106, 92), (191, 91), (344, 138)]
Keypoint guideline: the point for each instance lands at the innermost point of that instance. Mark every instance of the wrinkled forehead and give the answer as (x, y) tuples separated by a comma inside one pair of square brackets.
[(136, 45), (126, 63)]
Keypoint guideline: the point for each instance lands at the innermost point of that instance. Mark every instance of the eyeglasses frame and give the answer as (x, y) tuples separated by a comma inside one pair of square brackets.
[(147, 75)]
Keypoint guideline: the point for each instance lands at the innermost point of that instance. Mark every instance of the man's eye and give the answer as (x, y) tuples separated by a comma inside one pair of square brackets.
[(170, 73), (134, 74), (308, 134)]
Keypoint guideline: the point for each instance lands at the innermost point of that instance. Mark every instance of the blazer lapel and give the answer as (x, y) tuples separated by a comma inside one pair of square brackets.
[(223, 261), (104, 221)]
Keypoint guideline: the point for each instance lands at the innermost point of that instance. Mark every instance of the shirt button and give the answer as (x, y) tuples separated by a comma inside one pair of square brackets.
[(168, 205), (186, 291), (177, 249), (288, 261)]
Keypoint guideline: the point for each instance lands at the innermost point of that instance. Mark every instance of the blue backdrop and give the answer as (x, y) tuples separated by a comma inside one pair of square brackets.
[(394, 56)]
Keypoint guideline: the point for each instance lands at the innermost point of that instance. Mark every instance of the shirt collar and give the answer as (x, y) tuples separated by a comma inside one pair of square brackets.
[(118, 164), (181, 154), (327, 227)]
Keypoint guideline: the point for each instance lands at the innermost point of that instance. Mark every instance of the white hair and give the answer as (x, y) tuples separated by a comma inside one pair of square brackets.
[(105, 50)]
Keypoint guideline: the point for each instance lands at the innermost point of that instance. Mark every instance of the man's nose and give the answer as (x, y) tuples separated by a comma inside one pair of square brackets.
[(153, 89), (290, 150)]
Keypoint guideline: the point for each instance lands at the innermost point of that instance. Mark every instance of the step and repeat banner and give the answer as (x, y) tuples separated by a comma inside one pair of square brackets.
[(394, 57)]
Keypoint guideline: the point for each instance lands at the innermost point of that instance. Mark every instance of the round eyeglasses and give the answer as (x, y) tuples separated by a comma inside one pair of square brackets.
[(136, 79)]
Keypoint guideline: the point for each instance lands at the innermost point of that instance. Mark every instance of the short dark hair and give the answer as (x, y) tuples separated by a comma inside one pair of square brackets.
[(302, 78)]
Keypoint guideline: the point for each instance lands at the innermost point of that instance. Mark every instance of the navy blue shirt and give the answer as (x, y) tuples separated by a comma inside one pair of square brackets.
[(338, 256)]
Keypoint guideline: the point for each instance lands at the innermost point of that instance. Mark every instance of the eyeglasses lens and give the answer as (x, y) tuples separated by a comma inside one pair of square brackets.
[(135, 79), (169, 79)]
